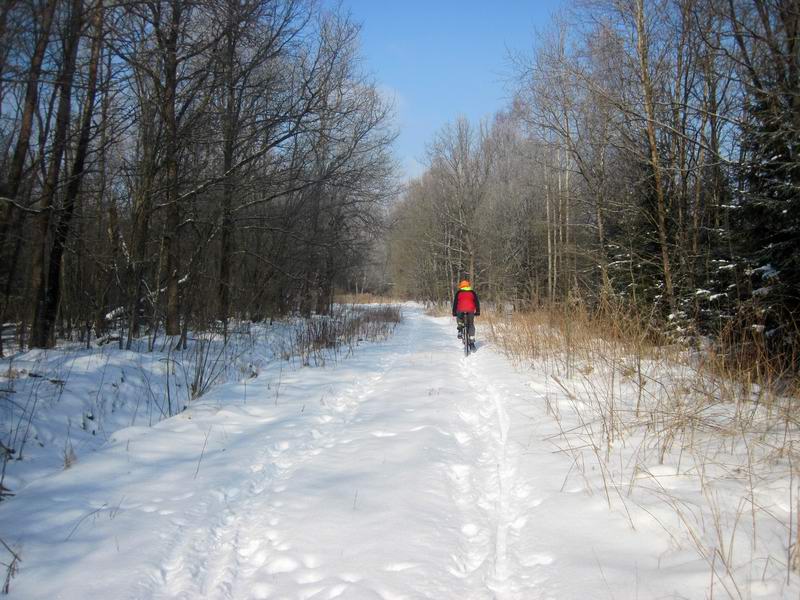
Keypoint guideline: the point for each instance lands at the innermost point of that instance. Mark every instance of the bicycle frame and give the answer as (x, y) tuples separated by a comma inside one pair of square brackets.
[(465, 332)]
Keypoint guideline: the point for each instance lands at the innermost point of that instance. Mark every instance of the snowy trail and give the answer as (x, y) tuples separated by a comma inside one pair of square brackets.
[(405, 471)]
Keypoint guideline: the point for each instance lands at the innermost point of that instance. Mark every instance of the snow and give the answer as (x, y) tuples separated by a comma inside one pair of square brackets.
[(762, 291), (69, 401), (403, 471), (767, 271), (117, 312)]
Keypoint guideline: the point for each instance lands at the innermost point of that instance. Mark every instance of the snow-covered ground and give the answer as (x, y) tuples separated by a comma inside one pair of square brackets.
[(404, 471), (56, 406)]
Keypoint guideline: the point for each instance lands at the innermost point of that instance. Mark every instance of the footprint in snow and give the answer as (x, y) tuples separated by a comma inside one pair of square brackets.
[(523, 491), (308, 577), (284, 564), (250, 548), (459, 472), (272, 535), (388, 594), (470, 418), (336, 591), (462, 438), (535, 560), (311, 561), (460, 569), (383, 434), (258, 559), (519, 523), (401, 566), (261, 591)]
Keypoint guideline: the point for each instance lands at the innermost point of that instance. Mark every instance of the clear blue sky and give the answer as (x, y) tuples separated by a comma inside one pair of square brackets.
[(443, 58)]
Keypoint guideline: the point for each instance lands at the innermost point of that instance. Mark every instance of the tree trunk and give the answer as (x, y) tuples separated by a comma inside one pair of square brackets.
[(171, 240), (31, 101), (53, 290), (655, 163), (550, 258), (40, 333), (230, 127)]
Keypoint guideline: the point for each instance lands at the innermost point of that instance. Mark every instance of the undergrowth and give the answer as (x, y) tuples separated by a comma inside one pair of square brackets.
[(709, 432), (324, 338)]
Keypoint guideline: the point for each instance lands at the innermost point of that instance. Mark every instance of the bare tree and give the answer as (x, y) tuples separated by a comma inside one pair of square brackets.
[(52, 296), (39, 332)]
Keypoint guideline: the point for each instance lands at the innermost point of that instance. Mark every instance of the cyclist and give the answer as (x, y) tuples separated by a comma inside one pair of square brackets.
[(466, 307)]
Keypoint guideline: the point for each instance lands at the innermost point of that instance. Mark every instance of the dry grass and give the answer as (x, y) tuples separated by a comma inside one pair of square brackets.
[(12, 566), (724, 417), (438, 309), (362, 298), (325, 338)]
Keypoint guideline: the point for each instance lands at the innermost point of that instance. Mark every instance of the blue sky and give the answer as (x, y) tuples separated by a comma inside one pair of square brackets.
[(442, 59)]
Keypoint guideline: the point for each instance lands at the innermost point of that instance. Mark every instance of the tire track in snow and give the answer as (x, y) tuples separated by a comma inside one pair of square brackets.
[(496, 489)]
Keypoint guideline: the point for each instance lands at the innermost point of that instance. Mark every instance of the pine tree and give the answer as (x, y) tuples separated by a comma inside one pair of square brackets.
[(767, 214)]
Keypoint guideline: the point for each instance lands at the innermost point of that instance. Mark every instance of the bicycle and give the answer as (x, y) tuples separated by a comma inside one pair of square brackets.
[(467, 321)]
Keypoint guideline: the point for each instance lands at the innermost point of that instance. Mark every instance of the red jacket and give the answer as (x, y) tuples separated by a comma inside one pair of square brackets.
[(466, 301)]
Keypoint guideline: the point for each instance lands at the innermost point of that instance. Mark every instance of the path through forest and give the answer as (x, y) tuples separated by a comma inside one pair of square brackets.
[(404, 471)]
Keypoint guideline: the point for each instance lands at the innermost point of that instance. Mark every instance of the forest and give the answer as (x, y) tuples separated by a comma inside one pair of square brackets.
[(228, 364), (175, 164), (648, 160)]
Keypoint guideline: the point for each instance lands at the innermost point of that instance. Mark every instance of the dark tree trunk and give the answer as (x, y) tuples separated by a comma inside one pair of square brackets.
[(9, 218), (53, 291), (39, 333), (171, 240), (230, 128)]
